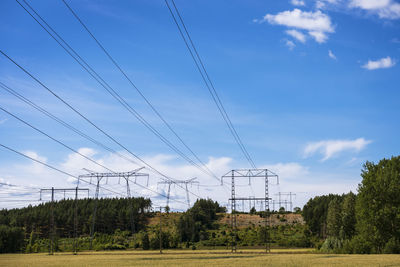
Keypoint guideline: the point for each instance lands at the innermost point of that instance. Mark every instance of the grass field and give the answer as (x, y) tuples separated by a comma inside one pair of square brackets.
[(283, 257)]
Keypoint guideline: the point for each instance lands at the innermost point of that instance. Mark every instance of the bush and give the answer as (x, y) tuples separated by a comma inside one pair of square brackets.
[(392, 246), (347, 247), (332, 245), (145, 241), (360, 245), (155, 240)]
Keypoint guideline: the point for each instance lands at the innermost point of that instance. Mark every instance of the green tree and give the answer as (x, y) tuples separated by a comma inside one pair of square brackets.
[(145, 241), (11, 239), (315, 213), (378, 203), (333, 218), (348, 216), (253, 210), (194, 223)]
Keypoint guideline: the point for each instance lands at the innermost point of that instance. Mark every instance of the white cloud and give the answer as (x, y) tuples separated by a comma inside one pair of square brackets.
[(330, 148), (382, 63), (390, 12), (73, 163), (294, 177), (316, 23), (3, 121), (291, 170), (311, 21), (297, 3), (290, 44), (297, 35), (331, 55), (370, 4), (386, 9), (320, 37), (319, 4)]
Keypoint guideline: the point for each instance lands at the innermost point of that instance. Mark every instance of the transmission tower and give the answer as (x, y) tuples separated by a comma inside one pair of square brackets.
[(249, 174), (99, 176), (52, 228), (280, 203), (185, 182), (290, 194)]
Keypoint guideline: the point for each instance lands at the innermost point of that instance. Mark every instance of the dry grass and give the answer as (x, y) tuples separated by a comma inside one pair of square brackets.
[(243, 220), (246, 220), (188, 258)]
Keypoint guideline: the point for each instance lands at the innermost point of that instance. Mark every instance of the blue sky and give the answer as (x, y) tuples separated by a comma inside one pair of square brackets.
[(311, 87)]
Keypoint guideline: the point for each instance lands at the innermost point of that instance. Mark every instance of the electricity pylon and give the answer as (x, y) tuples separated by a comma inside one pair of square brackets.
[(174, 181), (290, 194), (124, 175), (249, 174), (52, 230)]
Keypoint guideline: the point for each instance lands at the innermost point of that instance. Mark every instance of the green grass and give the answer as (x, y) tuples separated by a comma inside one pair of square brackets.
[(281, 257)]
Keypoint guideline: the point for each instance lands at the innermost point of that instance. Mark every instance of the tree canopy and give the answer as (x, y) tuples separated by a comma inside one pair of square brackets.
[(378, 203)]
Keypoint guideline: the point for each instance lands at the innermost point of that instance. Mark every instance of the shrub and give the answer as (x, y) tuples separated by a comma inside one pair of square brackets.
[(392, 246), (145, 241), (110, 246), (360, 245), (331, 245), (347, 247)]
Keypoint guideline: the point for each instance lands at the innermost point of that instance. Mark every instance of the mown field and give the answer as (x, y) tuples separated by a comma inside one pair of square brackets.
[(278, 257)]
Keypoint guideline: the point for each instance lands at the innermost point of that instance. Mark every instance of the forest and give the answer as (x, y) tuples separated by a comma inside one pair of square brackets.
[(364, 222)]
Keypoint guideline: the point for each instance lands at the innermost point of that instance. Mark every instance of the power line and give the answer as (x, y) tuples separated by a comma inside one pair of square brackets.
[(137, 89), (107, 87), (65, 124), (88, 120), (68, 147), (208, 82), (76, 177), (240, 143), (54, 139), (101, 81), (51, 167)]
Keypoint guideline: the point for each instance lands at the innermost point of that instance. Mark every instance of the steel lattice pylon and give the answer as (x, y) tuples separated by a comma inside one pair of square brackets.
[(124, 175), (175, 181), (250, 173), (52, 228)]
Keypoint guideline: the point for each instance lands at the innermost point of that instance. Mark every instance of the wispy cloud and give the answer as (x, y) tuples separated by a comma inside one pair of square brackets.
[(297, 3), (2, 121), (331, 55), (370, 4), (290, 170), (297, 35), (330, 148), (319, 4), (293, 176), (317, 24), (383, 63), (386, 9), (290, 44)]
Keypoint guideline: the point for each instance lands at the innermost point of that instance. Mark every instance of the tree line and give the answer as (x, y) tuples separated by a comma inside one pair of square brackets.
[(112, 214), (366, 222)]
